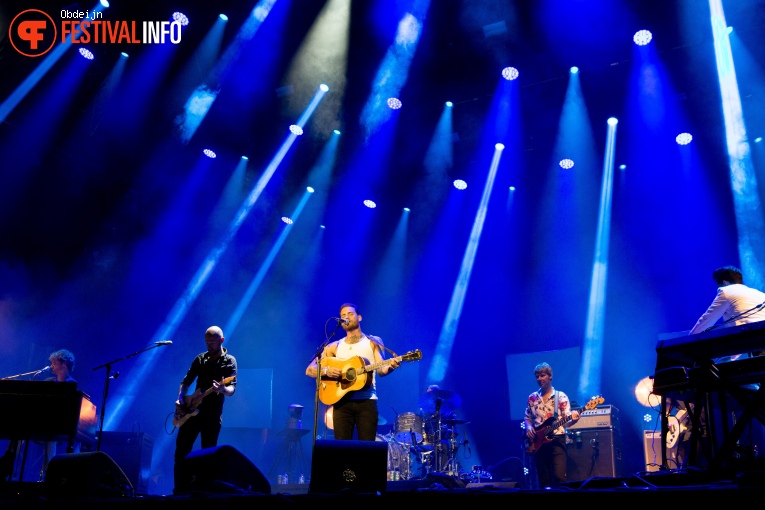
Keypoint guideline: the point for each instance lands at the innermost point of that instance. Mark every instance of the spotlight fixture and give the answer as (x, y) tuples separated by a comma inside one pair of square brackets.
[(622, 167), (499, 146), (394, 103), (310, 189), (683, 138), (323, 87), (574, 70), (336, 131), (647, 418), (460, 184), (296, 130), (566, 163), (758, 139), (370, 204), (223, 17), (644, 393), (510, 73), (612, 121), (449, 104), (406, 209), (105, 3), (124, 55), (642, 37), (245, 158), (512, 188), (179, 16), (210, 154), (87, 54), (287, 220)]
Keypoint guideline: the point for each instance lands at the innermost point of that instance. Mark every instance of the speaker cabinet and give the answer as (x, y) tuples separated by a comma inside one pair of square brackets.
[(132, 451), (595, 453), (652, 450), (85, 475), (221, 469), (349, 466)]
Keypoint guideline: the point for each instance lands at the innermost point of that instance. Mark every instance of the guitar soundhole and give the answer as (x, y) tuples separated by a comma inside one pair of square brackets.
[(350, 375)]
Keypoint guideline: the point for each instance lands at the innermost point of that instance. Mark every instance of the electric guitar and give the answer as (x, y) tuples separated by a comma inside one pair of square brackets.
[(678, 424), (354, 375), (191, 402), (544, 433)]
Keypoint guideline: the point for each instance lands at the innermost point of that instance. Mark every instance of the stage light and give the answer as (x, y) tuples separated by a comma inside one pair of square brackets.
[(310, 189), (683, 138), (86, 53), (729, 30), (223, 17), (449, 104), (336, 131), (245, 158), (758, 139), (644, 393), (394, 103), (642, 37), (296, 130), (104, 3), (574, 70), (460, 184), (647, 418), (179, 16), (323, 87), (370, 204), (622, 167), (210, 154), (406, 209), (512, 188), (510, 73), (612, 121), (566, 163), (287, 220), (499, 147), (124, 54)]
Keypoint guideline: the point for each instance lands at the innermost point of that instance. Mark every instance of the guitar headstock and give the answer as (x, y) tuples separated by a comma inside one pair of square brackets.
[(594, 402), (412, 355)]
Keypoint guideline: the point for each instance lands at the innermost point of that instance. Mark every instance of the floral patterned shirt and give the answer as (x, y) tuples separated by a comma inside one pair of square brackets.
[(539, 410)]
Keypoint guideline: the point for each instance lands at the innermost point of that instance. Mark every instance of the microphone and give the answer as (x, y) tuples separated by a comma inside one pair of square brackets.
[(46, 369), (341, 321), (164, 342)]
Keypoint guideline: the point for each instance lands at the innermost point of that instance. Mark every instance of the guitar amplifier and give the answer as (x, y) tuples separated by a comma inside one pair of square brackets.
[(602, 417)]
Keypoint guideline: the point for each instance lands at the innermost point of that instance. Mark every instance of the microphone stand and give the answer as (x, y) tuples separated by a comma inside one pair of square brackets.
[(317, 357), (32, 373), (109, 376)]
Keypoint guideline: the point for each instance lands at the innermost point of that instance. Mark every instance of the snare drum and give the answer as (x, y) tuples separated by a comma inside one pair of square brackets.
[(408, 428), (398, 457)]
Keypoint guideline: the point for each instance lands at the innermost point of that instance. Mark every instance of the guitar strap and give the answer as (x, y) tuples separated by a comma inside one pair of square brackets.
[(376, 340), (555, 402)]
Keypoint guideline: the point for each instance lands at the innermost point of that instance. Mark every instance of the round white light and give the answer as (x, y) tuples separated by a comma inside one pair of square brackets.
[(566, 163), (210, 154), (287, 220), (683, 138), (86, 53), (460, 184), (370, 204), (394, 103), (296, 130), (509, 73), (642, 37)]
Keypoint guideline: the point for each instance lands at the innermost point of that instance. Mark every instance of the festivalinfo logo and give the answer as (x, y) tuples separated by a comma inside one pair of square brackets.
[(33, 32)]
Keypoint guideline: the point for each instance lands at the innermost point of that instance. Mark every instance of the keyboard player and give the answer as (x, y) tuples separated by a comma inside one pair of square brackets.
[(734, 304), (61, 368)]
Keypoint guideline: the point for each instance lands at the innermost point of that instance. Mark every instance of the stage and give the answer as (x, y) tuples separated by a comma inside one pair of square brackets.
[(648, 488)]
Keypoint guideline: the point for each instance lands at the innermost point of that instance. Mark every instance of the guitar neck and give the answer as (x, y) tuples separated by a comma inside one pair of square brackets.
[(374, 366)]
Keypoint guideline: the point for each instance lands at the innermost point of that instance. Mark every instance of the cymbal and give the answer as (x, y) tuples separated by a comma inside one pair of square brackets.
[(455, 422), (449, 401)]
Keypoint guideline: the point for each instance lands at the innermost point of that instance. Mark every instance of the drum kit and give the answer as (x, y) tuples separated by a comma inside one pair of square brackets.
[(428, 439)]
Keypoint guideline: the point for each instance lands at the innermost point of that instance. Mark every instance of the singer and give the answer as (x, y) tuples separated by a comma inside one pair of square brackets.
[(61, 368), (203, 411), (546, 407), (356, 410)]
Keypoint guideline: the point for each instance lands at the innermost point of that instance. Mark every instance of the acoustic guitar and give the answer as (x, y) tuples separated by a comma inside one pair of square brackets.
[(545, 432), (354, 375), (191, 402)]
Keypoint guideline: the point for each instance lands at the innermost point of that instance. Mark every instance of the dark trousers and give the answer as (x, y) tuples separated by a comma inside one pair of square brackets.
[(550, 461), (202, 424), (358, 414)]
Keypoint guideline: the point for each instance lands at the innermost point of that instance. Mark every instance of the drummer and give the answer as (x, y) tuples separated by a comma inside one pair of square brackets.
[(446, 412)]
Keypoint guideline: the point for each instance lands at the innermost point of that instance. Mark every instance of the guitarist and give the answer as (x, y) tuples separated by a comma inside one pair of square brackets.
[(545, 407), (208, 369), (356, 409)]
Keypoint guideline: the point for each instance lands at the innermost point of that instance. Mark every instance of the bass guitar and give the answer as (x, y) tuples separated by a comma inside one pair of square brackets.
[(545, 432), (354, 375), (191, 402)]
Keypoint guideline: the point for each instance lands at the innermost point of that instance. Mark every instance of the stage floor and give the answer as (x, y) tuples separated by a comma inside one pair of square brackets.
[(640, 488)]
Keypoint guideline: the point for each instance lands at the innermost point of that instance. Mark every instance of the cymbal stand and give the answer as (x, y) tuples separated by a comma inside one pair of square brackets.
[(437, 450)]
